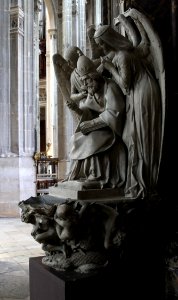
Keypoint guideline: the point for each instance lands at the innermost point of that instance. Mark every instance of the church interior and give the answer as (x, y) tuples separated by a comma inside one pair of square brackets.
[(37, 125)]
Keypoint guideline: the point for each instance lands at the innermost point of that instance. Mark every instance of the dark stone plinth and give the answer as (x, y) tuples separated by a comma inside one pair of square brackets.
[(49, 284), (130, 280)]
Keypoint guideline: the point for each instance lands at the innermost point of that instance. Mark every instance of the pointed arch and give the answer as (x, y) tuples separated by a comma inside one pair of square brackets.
[(51, 12)]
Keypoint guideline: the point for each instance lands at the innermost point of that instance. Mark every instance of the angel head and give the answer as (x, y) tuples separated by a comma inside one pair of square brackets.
[(109, 39), (71, 55)]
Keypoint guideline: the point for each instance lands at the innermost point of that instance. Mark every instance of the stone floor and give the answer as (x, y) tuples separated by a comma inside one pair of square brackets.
[(16, 246)]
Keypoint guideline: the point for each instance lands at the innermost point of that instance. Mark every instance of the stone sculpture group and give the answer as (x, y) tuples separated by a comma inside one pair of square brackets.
[(117, 97)]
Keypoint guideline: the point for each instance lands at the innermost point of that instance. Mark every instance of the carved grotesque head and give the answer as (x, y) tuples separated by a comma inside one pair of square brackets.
[(65, 215)]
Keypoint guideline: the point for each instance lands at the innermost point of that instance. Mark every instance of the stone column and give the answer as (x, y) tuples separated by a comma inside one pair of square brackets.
[(81, 19), (36, 93), (68, 30), (17, 78), (17, 171), (51, 86), (67, 24), (22, 79), (98, 10), (4, 79)]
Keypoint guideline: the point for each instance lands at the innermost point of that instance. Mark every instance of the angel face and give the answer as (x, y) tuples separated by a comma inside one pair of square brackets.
[(72, 54), (106, 48)]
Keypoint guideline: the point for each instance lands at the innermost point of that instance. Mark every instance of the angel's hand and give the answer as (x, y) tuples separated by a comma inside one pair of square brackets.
[(72, 105), (91, 31), (120, 17), (130, 13), (84, 88), (84, 93), (108, 65)]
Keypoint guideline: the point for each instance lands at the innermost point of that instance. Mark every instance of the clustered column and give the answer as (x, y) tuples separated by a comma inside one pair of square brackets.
[(4, 80)]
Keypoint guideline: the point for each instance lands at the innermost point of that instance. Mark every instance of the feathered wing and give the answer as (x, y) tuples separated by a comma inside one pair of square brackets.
[(150, 47), (127, 25), (63, 79)]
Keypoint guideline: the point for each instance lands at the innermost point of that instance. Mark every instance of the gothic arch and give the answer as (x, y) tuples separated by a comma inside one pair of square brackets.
[(51, 12)]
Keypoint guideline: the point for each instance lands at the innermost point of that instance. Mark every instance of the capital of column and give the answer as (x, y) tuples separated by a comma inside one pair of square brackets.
[(52, 33), (16, 20)]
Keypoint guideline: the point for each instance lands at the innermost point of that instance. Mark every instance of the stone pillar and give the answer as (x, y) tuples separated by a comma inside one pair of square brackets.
[(22, 81), (17, 78), (117, 8), (4, 79), (51, 86), (36, 93), (65, 121), (98, 9), (17, 171), (67, 24), (81, 19)]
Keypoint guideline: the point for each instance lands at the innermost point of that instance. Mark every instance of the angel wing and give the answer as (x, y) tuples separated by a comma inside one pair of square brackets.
[(150, 46), (128, 27), (63, 73)]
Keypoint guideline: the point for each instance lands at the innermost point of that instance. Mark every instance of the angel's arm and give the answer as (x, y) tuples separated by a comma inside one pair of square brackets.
[(129, 29), (92, 125), (120, 71), (96, 50), (143, 45)]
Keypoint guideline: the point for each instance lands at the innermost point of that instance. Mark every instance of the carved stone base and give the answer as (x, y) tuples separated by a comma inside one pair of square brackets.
[(46, 283), (78, 190), (121, 282)]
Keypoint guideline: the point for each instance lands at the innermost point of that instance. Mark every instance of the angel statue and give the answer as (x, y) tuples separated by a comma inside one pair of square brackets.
[(120, 101), (98, 155), (68, 80), (138, 69)]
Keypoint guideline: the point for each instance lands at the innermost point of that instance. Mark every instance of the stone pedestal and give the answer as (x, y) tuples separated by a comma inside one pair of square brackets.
[(46, 283), (78, 190), (123, 281)]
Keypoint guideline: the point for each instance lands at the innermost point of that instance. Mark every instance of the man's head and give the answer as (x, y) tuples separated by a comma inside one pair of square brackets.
[(93, 81)]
